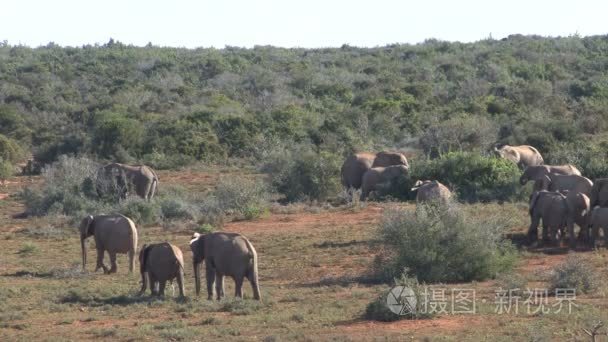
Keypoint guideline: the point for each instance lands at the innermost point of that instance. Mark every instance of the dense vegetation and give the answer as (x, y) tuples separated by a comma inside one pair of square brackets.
[(170, 106)]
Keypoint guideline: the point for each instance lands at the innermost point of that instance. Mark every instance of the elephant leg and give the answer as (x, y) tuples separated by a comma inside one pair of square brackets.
[(161, 288), (148, 191), (131, 260), (210, 274), (153, 284), (571, 236), (238, 286), (100, 254), (114, 266), (219, 285), (594, 234), (546, 232), (533, 229), (145, 279), (254, 284), (180, 284)]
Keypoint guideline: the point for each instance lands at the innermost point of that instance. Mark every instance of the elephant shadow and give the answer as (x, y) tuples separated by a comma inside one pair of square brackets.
[(521, 242), (92, 300)]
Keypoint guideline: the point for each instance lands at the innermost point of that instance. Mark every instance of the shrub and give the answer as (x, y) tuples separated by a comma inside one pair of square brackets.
[(66, 189), (9, 149), (177, 208), (473, 177), (241, 196), (205, 229), (211, 212), (444, 244), (140, 210), (378, 309), (6, 169), (574, 273), (305, 175)]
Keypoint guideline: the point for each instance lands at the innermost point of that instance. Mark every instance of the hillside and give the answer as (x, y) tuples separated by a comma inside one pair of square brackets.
[(171, 106)]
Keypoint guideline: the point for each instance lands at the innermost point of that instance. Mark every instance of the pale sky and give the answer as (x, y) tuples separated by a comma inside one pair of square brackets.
[(287, 23)]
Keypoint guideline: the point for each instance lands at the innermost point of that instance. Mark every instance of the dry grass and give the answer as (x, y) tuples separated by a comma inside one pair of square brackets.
[(311, 262)]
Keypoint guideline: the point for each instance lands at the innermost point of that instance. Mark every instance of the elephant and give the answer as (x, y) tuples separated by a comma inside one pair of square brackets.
[(551, 207), (431, 191), (579, 210), (573, 183), (354, 168), (225, 254), (140, 178), (378, 175), (599, 193), (599, 219), (356, 165), (384, 159), (523, 155), (558, 211), (159, 263), (114, 234), (534, 173)]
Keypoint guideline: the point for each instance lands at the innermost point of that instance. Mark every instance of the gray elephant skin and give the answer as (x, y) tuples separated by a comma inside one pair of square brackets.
[(551, 208), (573, 183), (429, 191), (225, 254), (112, 233), (599, 219), (159, 263), (523, 155), (599, 193), (535, 173), (356, 165), (378, 175), (125, 178), (558, 211)]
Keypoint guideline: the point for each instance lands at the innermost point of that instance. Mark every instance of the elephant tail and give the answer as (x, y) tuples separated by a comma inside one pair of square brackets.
[(253, 271), (145, 251)]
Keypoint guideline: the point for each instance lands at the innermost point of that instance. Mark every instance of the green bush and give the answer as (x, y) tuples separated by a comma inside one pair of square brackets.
[(67, 189), (574, 273), (9, 149), (305, 175), (241, 196), (140, 210), (472, 176), (178, 208), (589, 157), (445, 244), (6, 169)]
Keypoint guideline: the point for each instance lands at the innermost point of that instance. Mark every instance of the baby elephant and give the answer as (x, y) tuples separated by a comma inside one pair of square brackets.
[(429, 191), (599, 219), (159, 263)]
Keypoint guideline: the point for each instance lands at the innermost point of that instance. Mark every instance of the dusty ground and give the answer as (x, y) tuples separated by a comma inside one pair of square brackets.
[(309, 261)]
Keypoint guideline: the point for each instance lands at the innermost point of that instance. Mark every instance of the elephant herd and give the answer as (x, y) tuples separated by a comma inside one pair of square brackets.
[(562, 196), (224, 254), (366, 171)]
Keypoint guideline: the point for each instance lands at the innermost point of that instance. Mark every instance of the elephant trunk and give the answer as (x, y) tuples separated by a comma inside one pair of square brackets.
[(84, 252), (197, 277)]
